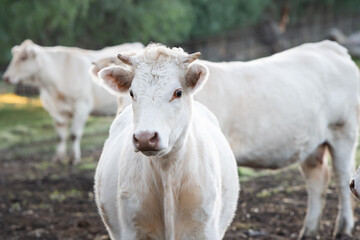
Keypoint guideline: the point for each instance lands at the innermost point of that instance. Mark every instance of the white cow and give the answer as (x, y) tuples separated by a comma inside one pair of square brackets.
[(66, 90), (166, 170), (289, 108), (292, 107)]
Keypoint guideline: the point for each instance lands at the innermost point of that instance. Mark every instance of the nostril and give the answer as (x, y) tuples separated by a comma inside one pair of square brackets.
[(136, 141), (155, 138), (352, 184)]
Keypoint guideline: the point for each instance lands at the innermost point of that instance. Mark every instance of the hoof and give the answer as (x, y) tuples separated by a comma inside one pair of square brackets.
[(74, 161), (342, 236), (308, 235), (343, 229), (58, 159), (308, 238)]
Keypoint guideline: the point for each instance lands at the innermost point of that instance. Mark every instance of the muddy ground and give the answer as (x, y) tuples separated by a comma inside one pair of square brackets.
[(40, 200)]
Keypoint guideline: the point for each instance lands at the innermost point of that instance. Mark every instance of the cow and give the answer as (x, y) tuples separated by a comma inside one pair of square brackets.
[(166, 170), (66, 90), (292, 107)]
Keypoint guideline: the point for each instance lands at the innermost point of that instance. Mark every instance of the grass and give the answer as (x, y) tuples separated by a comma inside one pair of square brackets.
[(357, 61), (4, 87), (25, 123)]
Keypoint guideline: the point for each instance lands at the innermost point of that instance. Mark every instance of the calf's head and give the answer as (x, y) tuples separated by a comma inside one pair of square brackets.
[(23, 66), (161, 83)]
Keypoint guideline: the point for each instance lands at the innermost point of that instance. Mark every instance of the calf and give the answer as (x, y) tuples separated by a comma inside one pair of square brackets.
[(288, 108), (166, 170), (66, 90)]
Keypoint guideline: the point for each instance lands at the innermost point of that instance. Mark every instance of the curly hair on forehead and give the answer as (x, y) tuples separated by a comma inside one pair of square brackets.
[(159, 52)]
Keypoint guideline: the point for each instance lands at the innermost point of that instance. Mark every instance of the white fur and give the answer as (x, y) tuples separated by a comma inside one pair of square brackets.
[(288, 108), (66, 90), (282, 109), (186, 190)]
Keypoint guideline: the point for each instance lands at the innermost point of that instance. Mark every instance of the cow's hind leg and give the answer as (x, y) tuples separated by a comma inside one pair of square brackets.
[(343, 154), (81, 114), (61, 130), (316, 174)]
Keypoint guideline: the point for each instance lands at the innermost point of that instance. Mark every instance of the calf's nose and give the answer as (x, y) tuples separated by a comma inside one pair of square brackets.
[(352, 188), (146, 141)]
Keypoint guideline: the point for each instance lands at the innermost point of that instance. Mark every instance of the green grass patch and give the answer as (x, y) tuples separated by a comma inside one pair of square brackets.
[(88, 166), (4, 87), (23, 124), (62, 196), (27, 124), (357, 61)]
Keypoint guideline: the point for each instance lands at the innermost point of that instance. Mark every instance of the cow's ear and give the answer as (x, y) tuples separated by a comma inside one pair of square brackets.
[(29, 52), (15, 49), (116, 79), (94, 70), (196, 76), (100, 64)]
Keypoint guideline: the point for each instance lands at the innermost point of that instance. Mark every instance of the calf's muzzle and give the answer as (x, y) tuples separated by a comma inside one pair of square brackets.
[(146, 141)]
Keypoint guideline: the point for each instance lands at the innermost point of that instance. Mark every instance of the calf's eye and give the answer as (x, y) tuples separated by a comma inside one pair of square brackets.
[(131, 94), (177, 94)]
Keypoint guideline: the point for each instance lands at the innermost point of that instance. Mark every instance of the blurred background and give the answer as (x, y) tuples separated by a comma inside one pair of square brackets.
[(40, 200)]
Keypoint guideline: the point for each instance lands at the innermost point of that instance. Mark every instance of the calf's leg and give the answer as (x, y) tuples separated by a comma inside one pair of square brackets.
[(316, 174)]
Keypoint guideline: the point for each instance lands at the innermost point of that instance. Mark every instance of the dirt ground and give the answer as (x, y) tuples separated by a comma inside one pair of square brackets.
[(40, 200)]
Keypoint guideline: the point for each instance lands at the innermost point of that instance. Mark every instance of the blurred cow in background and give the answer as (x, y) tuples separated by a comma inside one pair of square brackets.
[(288, 108), (66, 90)]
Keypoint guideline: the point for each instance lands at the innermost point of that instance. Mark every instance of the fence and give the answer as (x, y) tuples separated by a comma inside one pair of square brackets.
[(254, 42)]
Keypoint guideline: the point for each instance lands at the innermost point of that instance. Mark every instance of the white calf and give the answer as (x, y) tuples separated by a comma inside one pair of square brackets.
[(66, 90), (166, 171)]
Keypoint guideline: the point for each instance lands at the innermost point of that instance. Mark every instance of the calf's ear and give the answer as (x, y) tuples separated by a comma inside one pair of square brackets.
[(196, 76), (116, 79)]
